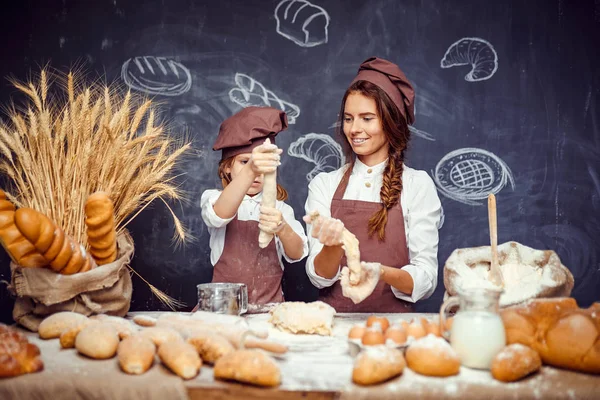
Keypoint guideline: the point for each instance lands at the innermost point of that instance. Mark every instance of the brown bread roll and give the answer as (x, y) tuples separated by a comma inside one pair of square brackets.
[(99, 341), (432, 356), (377, 364), (515, 362)]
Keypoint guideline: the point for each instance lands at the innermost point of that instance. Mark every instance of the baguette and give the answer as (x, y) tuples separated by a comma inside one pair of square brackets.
[(20, 250), (101, 228), (563, 334), (61, 252)]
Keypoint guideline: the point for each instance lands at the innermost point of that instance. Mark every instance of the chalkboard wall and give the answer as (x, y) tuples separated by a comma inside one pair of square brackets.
[(507, 99)]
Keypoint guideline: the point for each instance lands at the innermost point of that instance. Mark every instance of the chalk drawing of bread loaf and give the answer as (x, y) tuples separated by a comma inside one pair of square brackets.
[(156, 75), (477, 53), (302, 22), (250, 92)]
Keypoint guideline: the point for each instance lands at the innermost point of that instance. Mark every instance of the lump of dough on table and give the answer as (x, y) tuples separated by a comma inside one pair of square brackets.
[(299, 317)]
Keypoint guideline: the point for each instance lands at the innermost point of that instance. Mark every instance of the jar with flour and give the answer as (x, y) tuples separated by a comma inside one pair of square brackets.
[(477, 333)]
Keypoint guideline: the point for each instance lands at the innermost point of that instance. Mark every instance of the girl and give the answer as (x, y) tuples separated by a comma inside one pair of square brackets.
[(234, 215), (393, 210)]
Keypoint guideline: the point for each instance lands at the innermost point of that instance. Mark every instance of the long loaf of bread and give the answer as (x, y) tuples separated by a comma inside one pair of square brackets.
[(101, 228), (20, 250), (564, 335), (60, 251)]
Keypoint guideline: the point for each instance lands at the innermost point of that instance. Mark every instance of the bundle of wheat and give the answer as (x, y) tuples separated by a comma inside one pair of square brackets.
[(67, 144)]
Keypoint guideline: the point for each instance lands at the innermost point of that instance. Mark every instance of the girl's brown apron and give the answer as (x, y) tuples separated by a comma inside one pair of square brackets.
[(243, 261), (392, 252)]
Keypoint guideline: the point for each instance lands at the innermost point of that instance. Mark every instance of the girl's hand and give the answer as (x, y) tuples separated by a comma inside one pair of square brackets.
[(270, 220), (327, 230), (265, 158)]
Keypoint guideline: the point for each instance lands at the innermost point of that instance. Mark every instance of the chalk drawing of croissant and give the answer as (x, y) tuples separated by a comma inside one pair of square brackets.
[(156, 75), (477, 53), (319, 149), (250, 92), (302, 22)]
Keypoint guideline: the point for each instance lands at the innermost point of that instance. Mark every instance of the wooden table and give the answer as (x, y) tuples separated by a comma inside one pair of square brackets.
[(316, 367)]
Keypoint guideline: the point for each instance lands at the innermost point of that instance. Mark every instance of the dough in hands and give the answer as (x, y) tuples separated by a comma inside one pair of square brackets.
[(351, 249), (269, 198), (367, 283)]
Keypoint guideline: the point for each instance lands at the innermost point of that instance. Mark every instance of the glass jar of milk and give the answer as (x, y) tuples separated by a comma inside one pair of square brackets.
[(477, 332)]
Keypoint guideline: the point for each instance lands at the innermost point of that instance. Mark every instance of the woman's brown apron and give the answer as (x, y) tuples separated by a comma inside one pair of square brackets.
[(392, 252)]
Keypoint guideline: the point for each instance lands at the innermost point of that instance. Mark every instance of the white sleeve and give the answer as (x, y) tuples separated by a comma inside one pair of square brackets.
[(424, 213), (288, 215), (210, 218), (319, 199)]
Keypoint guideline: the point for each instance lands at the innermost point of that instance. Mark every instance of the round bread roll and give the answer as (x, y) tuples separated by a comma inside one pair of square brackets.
[(54, 325), (515, 362), (99, 341), (377, 364), (432, 356)]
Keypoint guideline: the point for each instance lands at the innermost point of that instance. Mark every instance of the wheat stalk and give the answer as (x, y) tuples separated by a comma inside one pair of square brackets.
[(68, 144)]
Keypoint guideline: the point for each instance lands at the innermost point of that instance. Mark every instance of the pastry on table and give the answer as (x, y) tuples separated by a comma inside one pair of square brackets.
[(17, 355)]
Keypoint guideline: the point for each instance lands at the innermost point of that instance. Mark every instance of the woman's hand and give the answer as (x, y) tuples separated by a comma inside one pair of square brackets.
[(270, 220), (265, 158), (327, 230), (369, 277)]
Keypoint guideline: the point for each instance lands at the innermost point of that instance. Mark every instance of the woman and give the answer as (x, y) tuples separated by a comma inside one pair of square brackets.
[(393, 210), (234, 215)]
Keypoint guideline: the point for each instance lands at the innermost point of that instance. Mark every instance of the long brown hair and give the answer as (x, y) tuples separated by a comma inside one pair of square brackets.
[(396, 131), (282, 194)]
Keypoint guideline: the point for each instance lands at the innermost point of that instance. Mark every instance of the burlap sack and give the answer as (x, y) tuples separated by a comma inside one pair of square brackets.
[(547, 277), (103, 290)]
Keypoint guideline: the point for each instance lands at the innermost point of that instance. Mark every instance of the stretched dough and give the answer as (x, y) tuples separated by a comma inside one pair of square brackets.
[(350, 245)]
